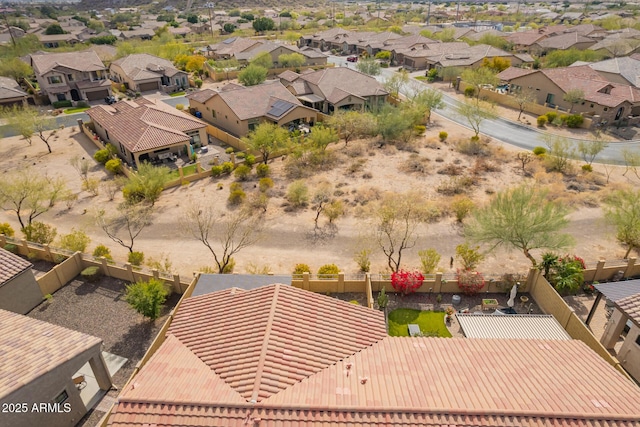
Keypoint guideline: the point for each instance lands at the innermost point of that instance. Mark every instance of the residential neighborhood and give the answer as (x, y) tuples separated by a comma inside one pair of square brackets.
[(341, 214)]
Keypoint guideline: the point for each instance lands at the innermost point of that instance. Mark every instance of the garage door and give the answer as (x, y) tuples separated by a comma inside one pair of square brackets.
[(144, 87), (99, 94)]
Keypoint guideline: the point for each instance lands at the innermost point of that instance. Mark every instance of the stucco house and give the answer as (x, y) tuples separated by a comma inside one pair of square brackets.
[(39, 363), (238, 109), (605, 101), (71, 76), (279, 355), (142, 72), (144, 130), (337, 88), (19, 291), (11, 93), (311, 57)]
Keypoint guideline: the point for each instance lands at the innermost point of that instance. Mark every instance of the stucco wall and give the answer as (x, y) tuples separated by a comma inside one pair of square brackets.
[(21, 294), (629, 354)]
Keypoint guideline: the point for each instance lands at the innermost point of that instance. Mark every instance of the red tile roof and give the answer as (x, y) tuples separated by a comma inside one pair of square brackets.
[(282, 356), (30, 348), (11, 265), (513, 72), (631, 306)]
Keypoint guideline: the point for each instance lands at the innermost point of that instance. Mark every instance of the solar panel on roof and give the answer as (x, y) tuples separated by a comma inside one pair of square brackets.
[(229, 41), (279, 108)]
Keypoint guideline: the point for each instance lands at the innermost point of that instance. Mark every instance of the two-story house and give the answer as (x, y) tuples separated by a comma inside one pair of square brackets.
[(71, 76), (143, 72)]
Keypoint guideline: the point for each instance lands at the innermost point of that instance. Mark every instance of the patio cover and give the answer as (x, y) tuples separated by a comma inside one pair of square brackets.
[(615, 291), (217, 282), (310, 98), (516, 326)]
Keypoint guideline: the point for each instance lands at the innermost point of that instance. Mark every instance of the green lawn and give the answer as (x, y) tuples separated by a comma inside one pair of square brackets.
[(422, 78), (75, 110), (431, 322), (177, 94), (186, 170)]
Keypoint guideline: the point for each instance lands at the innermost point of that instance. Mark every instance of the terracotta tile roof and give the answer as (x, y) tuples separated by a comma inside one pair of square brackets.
[(631, 306), (143, 125), (233, 46), (627, 67), (9, 88), (513, 72), (29, 348), (267, 339), (202, 96), (346, 79), (11, 265), (288, 75), (82, 61), (564, 41), (525, 38), (142, 66)]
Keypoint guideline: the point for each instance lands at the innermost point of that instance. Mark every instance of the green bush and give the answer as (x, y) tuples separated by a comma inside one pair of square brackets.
[(91, 274), (102, 251), (147, 298), (76, 241), (216, 171), (61, 104), (198, 83), (562, 119), (587, 168), (135, 258), (470, 92), (328, 269), (102, 156), (114, 166), (179, 107), (298, 193), (240, 155), (39, 232), (538, 151), (236, 196), (6, 229), (301, 268), (574, 120), (228, 269), (11, 248), (265, 184), (242, 172), (227, 167), (262, 170), (82, 104), (443, 136), (542, 120), (229, 150), (250, 160), (551, 116), (420, 129)]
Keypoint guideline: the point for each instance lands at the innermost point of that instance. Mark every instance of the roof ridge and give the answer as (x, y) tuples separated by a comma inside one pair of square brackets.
[(265, 344)]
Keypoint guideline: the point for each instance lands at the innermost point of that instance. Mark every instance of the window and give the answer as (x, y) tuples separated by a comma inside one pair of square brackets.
[(70, 77), (54, 80), (195, 136), (638, 340), (213, 113), (62, 397), (122, 148), (591, 106), (61, 97), (107, 133), (606, 109)]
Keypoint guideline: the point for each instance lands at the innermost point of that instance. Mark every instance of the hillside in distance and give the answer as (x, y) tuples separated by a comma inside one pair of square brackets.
[(198, 4)]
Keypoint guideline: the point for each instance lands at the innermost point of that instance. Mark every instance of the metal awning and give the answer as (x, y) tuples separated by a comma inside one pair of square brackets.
[(310, 98), (515, 326), (615, 291)]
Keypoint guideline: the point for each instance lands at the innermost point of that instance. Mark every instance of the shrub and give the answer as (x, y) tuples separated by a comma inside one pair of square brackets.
[(11, 248), (542, 120), (265, 184), (114, 166), (91, 274), (551, 116), (198, 83), (39, 232), (228, 269), (298, 193), (227, 167), (240, 155), (6, 229), (136, 258), (383, 299), (470, 282), (328, 269), (406, 282), (538, 151), (147, 298), (242, 172), (469, 256), (262, 170), (568, 275), (102, 251), (301, 268), (443, 136), (354, 302), (362, 258), (419, 129), (587, 168), (76, 241), (250, 160), (229, 150), (461, 207), (429, 259), (179, 107), (61, 104), (470, 92), (236, 196), (102, 156), (216, 171), (574, 120)]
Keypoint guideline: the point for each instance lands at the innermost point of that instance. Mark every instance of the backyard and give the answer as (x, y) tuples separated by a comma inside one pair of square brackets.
[(431, 323)]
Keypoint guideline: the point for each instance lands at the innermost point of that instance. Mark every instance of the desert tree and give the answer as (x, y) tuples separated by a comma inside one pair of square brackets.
[(479, 78), (623, 212), (126, 225), (352, 124), (29, 195), (393, 122), (224, 235), (262, 60), (253, 75), (523, 97), (520, 218), (368, 66), (631, 160), (394, 221), (589, 150), (28, 121), (573, 97), (559, 153), (321, 198), (449, 74), (322, 136), (427, 100), (525, 157), (475, 113), (396, 82), (291, 60), (146, 184), (147, 298), (266, 139), (15, 68), (81, 165)]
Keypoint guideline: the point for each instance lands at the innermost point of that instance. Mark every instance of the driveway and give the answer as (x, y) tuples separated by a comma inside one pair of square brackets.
[(504, 130)]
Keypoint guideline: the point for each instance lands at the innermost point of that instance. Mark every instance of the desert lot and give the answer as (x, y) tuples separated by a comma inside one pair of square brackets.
[(362, 173)]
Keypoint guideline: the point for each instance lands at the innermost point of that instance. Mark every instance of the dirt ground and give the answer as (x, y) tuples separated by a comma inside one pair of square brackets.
[(363, 171)]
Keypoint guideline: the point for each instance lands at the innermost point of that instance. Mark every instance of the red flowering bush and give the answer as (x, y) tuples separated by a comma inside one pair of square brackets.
[(470, 282), (406, 282)]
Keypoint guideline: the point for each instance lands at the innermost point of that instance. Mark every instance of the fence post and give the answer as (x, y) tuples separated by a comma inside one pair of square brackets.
[(77, 257), (47, 251), (180, 172), (3, 240), (437, 286), (130, 270), (105, 267), (340, 282), (599, 268), (176, 283), (156, 274), (368, 290), (199, 167), (630, 263), (232, 159), (25, 246), (61, 281), (532, 279), (305, 281)]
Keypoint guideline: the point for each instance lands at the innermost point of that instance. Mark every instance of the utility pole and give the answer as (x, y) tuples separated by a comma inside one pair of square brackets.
[(210, 6), (428, 12), (6, 21), (458, 12)]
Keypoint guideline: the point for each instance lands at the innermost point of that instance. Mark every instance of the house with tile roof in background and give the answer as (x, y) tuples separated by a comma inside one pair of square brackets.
[(144, 130), (142, 72), (11, 93), (279, 355), (71, 76), (19, 291), (238, 109), (624, 70), (40, 362)]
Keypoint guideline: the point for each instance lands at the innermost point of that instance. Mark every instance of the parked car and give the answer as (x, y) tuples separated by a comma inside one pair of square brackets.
[(352, 58), (110, 100)]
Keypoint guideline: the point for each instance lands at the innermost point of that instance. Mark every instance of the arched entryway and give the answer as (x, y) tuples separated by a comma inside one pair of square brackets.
[(75, 95)]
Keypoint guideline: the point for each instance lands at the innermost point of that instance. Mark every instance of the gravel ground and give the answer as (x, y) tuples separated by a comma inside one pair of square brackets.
[(99, 309)]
